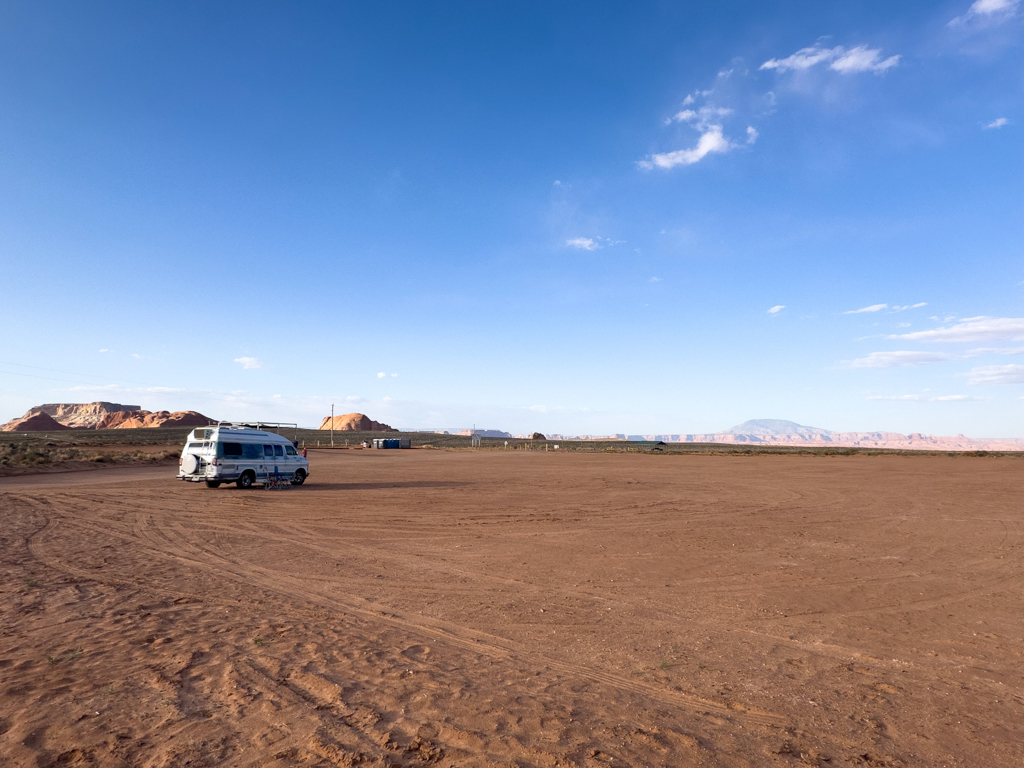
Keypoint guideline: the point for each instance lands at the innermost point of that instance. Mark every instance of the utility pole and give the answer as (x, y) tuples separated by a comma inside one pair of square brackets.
[(332, 425)]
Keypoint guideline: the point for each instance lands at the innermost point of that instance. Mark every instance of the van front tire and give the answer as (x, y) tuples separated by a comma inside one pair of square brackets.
[(299, 477), (246, 480)]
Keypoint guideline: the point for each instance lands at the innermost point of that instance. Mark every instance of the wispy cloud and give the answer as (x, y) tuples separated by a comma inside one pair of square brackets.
[(710, 142), (776, 309), (583, 243), (840, 59), (120, 388), (702, 118), (999, 122), (926, 399), (898, 308), (972, 329), (897, 359), (995, 351), (591, 243), (104, 350), (249, 362), (986, 10), (997, 374), (872, 308)]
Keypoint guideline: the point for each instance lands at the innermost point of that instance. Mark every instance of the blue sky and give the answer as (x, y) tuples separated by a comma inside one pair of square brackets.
[(574, 217)]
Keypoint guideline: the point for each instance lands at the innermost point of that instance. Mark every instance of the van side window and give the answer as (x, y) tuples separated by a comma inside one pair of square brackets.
[(268, 450), (278, 450), (289, 450), (252, 451), (229, 450)]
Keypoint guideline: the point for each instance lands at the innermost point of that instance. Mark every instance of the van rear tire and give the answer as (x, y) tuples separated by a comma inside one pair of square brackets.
[(246, 480), (299, 477), (213, 483)]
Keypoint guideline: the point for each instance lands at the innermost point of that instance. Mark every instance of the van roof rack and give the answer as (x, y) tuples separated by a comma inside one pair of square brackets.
[(257, 424)]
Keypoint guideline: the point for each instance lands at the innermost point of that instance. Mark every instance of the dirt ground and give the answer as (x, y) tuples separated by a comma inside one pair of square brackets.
[(458, 608)]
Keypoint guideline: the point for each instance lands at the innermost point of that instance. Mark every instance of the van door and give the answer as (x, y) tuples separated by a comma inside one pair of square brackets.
[(268, 460), (280, 465), (292, 457)]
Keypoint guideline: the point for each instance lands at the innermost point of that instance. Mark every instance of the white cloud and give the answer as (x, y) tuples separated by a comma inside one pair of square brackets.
[(997, 374), (898, 308), (986, 7), (702, 118), (381, 375), (925, 399), (655, 279), (897, 359), (972, 329), (864, 59), (104, 350), (872, 308), (136, 355), (995, 351), (999, 122), (583, 243), (249, 362), (688, 100), (986, 10), (776, 309), (710, 142), (805, 58), (394, 375), (859, 59), (752, 134)]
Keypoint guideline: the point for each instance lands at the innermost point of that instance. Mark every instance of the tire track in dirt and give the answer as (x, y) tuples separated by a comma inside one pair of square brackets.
[(463, 637), (174, 542), (160, 541)]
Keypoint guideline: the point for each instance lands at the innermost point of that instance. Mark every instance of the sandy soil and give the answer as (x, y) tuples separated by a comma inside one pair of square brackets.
[(411, 608)]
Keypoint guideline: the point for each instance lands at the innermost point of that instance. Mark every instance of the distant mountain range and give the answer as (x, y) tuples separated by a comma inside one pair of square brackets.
[(775, 427), (782, 432)]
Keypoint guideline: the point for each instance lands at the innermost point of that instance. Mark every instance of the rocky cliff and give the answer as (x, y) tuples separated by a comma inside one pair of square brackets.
[(80, 415), (148, 419), (355, 422), (100, 415), (33, 422)]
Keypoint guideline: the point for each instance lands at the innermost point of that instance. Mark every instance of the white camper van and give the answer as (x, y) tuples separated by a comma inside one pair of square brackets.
[(239, 454)]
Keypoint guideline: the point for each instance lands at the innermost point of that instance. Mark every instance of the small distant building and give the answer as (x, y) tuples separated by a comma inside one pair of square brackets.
[(648, 445), (392, 442)]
